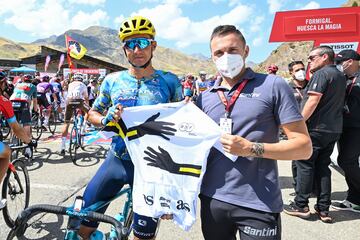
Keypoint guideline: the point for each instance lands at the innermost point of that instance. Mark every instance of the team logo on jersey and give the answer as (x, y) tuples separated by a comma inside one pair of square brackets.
[(142, 222), (149, 200), (165, 202), (183, 206)]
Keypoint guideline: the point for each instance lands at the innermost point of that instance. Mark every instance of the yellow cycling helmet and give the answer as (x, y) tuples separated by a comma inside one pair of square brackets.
[(136, 25)]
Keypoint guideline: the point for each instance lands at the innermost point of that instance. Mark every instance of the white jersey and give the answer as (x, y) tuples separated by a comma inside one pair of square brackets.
[(168, 172), (77, 90)]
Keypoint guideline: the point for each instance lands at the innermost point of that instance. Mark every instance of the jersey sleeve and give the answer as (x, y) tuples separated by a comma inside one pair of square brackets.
[(34, 92), (286, 109), (103, 101), (7, 110), (318, 83), (174, 86)]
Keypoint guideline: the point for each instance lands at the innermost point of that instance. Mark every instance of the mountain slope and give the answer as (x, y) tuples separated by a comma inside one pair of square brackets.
[(103, 43)]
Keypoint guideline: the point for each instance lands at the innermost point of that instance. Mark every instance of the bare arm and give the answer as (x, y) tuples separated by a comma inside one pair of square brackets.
[(95, 117), (297, 147), (311, 105), (20, 132)]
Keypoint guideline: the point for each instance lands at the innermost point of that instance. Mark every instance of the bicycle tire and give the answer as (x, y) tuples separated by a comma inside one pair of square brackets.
[(36, 128), (73, 146), (16, 185), (14, 141), (52, 122)]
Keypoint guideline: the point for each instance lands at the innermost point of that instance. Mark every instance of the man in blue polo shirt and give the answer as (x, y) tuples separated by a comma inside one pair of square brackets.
[(244, 195)]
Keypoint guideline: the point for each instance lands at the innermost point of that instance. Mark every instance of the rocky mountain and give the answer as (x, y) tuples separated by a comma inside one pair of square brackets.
[(288, 52), (103, 43)]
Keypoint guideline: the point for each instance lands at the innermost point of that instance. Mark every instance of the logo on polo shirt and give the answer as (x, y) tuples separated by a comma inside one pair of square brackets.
[(250, 95)]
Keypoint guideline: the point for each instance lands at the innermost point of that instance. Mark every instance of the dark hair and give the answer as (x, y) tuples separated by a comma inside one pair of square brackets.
[(223, 30), (290, 66), (326, 50)]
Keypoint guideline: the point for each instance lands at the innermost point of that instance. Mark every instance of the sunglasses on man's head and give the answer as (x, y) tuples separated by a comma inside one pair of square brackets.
[(141, 43)]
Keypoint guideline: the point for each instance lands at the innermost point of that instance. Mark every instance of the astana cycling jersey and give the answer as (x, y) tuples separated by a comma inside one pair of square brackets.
[(169, 145), (23, 92), (121, 87), (44, 87)]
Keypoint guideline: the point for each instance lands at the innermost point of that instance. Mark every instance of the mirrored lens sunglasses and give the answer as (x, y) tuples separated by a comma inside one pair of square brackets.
[(141, 43)]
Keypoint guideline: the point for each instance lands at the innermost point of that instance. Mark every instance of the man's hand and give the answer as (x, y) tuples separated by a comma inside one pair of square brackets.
[(236, 145), (113, 114)]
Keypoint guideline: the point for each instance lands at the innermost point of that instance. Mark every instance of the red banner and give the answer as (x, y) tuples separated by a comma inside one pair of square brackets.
[(344, 23)]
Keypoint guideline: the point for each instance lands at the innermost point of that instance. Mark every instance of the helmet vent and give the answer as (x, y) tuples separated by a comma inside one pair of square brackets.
[(126, 24), (134, 22), (142, 22)]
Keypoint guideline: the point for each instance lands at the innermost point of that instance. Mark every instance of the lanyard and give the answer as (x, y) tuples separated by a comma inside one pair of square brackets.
[(230, 104), (299, 92), (349, 91)]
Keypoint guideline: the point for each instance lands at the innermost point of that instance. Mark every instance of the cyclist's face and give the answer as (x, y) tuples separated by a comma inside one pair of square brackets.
[(230, 43), (140, 56)]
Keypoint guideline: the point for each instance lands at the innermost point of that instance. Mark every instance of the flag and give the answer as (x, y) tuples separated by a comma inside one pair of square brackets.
[(74, 48), (61, 61), (47, 61)]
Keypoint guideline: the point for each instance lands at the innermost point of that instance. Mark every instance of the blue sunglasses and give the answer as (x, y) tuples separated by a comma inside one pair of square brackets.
[(141, 43)]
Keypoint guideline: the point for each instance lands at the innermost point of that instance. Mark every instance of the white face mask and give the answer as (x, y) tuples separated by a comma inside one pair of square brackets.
[(230, 65), (300, 75)]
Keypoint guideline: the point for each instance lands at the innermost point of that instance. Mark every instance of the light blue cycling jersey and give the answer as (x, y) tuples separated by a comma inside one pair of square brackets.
[(121, 87)]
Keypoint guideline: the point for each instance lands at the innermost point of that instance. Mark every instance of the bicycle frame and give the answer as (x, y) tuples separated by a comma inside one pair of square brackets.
[(77, 215)]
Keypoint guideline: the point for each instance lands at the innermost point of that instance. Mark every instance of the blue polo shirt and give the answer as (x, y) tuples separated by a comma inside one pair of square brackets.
[(265, 103)]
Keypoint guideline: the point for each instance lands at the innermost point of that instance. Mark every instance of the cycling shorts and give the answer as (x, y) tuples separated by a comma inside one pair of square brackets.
[(22, 112), (74, 104), (221, 220), (112, 175), (57, 96), (42, 100)]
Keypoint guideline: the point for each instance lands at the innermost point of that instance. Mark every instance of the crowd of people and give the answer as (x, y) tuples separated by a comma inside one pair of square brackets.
[(314, 112)]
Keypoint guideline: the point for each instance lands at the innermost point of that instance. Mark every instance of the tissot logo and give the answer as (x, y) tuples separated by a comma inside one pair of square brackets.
[(149, 200), (183, 206), (186, 127)]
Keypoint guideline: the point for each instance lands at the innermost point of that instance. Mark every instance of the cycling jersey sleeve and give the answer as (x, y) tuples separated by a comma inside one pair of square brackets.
[(174, 86), (34, 92), (103, 101), (7, 110)]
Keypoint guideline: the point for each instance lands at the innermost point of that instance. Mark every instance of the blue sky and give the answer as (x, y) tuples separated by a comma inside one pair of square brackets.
[(184, 25)]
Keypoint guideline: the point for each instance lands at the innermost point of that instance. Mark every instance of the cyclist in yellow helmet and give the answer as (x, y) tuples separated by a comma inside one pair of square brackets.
[(132, 87)]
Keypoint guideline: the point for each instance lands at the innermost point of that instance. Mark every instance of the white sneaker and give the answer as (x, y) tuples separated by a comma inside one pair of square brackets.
[(345, 205), (2, 203)]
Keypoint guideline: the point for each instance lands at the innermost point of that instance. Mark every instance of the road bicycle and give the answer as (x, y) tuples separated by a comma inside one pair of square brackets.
[(53, 118), (15, 188), (36, 125), (121, 223), (76, 137)]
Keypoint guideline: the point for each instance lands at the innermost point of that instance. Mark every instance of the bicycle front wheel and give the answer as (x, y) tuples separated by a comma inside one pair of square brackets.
[(16, 191), (73, 144)]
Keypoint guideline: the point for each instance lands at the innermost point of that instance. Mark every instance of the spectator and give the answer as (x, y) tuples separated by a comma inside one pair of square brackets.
[(322, 108), (349, 143), (272, 69), (188, 85), (244, 195), (201, 84), (298, 84)]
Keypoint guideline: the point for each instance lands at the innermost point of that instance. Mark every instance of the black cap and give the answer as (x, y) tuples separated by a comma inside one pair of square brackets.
[(346, 55)]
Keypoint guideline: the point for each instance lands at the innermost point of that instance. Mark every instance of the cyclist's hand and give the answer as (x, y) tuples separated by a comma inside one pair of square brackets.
[(152, 127), (161, 160), (113, 114), (167, 217), (33, 143)]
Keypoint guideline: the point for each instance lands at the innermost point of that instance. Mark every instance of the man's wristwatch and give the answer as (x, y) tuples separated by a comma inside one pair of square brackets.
[(257, 149)]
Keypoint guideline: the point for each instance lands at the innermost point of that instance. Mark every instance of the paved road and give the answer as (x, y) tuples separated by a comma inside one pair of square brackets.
[(57, 180)]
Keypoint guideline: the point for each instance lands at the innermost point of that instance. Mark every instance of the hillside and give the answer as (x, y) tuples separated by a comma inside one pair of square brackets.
[(103, 43), (288, 52)]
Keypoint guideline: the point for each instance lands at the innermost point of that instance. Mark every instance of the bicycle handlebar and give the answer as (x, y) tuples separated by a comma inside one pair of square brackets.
[(21, 221)]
